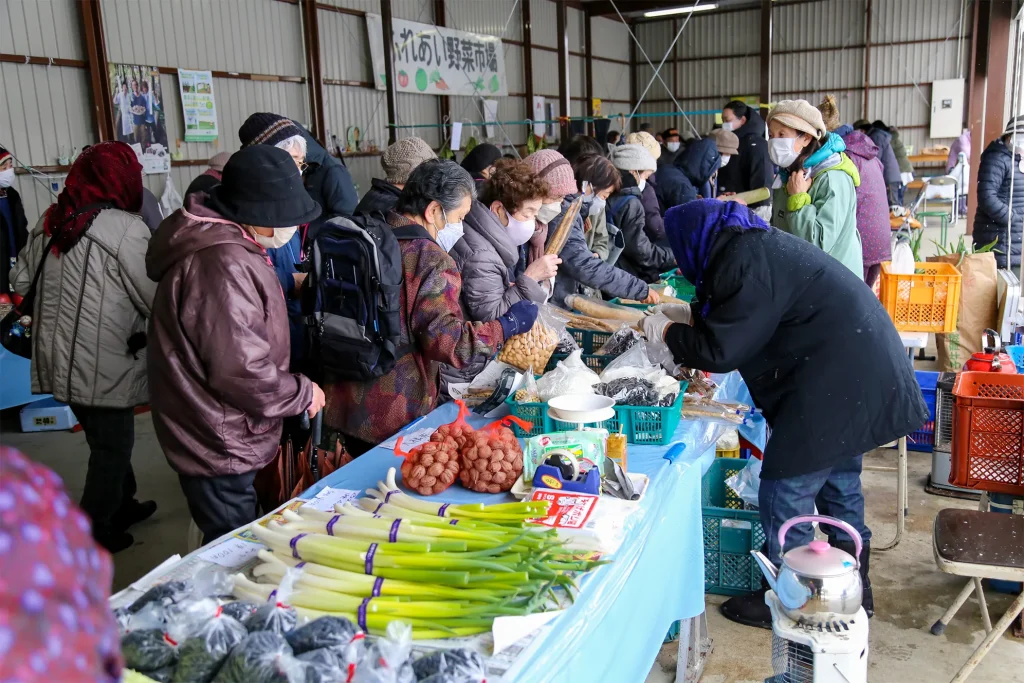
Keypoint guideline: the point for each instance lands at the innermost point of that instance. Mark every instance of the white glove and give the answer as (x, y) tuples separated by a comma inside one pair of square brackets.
[(677, 313), (654, 327)]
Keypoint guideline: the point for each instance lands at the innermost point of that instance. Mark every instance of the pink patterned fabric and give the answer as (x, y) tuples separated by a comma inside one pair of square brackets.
[(55, 624)]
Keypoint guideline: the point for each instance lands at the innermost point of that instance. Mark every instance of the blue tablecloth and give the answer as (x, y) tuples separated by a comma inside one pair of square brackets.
[(16, 387), (614, 630)]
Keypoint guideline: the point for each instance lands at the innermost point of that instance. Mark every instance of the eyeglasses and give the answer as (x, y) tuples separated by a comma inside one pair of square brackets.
[(302, 166)]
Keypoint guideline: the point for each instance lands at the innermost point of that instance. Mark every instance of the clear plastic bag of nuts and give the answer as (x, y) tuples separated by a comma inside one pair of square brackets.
[(534, 348), (492, 458)]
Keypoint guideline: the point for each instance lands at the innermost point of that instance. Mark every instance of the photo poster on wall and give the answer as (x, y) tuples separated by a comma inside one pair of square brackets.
[(198, 106), (139, 114), (435, 60)]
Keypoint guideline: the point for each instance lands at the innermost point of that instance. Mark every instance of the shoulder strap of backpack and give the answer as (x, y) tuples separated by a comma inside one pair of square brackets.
[(616, 206)]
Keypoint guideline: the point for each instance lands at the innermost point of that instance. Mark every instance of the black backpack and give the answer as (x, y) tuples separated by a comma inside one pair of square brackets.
[(351, 299)]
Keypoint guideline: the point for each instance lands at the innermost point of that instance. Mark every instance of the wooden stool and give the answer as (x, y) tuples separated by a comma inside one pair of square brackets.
[(981, 545)]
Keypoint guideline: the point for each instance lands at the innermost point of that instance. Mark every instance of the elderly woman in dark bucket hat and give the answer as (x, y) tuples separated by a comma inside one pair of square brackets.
[(218, 372)]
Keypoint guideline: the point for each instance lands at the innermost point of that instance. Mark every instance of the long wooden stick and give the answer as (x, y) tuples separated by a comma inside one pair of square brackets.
[(557, 241)]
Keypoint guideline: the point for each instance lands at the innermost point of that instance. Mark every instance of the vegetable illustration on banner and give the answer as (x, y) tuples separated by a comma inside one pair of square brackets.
[(197, 105), (433, 60)]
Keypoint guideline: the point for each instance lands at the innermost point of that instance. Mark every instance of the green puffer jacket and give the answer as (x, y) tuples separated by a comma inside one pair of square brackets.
[(827, 215)]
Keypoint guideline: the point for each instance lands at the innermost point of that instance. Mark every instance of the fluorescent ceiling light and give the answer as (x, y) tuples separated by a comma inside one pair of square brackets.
[(679, 10)]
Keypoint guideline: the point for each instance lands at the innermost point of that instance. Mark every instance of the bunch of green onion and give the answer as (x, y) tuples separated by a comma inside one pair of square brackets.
[(447, 570)]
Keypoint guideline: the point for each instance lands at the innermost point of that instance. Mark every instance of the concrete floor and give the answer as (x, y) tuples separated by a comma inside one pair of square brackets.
[(910, 593)]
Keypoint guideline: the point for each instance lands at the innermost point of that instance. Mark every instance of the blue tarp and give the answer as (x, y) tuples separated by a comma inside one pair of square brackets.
[(614, 630)]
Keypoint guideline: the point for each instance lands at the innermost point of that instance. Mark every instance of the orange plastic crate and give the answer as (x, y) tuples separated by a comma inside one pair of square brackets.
[(988, 433), (923, 302)]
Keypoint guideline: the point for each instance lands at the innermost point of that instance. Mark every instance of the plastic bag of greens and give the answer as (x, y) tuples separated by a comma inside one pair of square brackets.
[(330, 632), (263, 657), (145, 645), (273, 616), (460, 665), (387, 660), (209, 636), (324, 666), (625, 338), (629, 391)]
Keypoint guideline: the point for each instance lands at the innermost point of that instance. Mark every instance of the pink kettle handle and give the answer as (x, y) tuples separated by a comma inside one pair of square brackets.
[(858, 543)]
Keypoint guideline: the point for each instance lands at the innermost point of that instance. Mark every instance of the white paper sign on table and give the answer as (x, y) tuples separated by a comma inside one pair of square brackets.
[(509, 630), (326, 499), (410, 440), (234, 552)]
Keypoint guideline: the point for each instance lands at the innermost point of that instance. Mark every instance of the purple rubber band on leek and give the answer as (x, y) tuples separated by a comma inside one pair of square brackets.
[(273, 594), (377, 585), (370, 552), (377, 509), (454, 522), (300, 565), (292, 543), (331, 523), (440, 510), (361, 614), (393, 534), (387, 496)]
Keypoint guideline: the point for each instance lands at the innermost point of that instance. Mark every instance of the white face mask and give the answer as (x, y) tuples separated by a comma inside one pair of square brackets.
[(596, 207), (282, 236), (781, 151), (672, 146), (520, 231), (642, 183), (450, 233), (725, 160), (728, 125), (7, 177), (548, 212)]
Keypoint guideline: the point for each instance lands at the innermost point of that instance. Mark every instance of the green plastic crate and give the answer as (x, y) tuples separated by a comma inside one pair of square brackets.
[(589, 340), (591, 360), (730, 533), (684, 290), (640, 424)]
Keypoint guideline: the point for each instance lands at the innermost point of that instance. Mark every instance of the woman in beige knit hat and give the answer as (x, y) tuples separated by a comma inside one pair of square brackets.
[(816, 199), (654, 224)]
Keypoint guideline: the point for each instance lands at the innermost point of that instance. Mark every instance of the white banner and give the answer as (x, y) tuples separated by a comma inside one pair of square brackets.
[(432, 60)]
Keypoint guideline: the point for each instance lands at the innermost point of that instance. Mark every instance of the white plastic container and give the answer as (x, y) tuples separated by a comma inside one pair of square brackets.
[(48, 415)]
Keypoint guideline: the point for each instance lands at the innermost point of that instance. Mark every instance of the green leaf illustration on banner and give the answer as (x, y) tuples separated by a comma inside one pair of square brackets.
[(421, 80), (495, 83)]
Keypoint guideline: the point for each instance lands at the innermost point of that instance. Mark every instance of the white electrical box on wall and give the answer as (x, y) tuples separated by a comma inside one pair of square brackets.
[(947, 108)]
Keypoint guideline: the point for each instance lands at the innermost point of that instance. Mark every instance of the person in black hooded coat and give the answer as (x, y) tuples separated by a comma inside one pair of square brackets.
[(13, 224), (328, 182), (752, 168), (689, 175), (818, 353), (1000, 165)]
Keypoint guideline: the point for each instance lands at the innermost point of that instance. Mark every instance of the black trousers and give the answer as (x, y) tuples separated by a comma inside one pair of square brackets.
[(109, 481), (220, 504)]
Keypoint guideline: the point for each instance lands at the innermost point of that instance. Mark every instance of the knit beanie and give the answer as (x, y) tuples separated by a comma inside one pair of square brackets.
[(726, 141), (829, 109), (799, 115), (264, 128), (633, 158), (481, 157), (1014, 125), (647, 141), (399, 159), (555, 170), (4, 155)]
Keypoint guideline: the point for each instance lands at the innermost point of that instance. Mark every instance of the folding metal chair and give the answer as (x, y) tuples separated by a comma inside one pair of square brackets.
[(981, 545)]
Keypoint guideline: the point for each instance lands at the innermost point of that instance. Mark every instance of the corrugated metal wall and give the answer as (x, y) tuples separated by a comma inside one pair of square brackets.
[(818, 48)]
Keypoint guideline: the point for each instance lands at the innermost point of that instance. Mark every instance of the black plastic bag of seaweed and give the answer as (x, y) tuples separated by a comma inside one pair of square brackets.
[(163, 594), (387, 660), (629, 391), (239, 609), (210, 636), (459, 665), (145, 644), (325, 632), (263, 657)]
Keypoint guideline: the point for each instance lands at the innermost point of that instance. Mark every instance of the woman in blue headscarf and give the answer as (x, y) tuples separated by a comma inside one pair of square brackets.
[(818, 353)]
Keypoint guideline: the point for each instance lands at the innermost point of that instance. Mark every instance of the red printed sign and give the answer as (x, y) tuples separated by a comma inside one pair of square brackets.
[(567, 510)]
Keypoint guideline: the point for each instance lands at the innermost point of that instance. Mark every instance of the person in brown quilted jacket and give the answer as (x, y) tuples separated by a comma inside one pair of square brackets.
[(219, 339)]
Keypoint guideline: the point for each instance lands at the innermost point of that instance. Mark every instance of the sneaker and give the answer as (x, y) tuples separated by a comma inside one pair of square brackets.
[(749, 610), (115, 541), (132, 513)]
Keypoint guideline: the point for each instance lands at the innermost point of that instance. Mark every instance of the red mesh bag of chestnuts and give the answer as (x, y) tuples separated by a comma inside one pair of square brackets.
[(492, 459), (433, 467)]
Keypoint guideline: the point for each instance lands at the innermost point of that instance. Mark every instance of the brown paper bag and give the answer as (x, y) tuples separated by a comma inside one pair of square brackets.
[(979, 309)]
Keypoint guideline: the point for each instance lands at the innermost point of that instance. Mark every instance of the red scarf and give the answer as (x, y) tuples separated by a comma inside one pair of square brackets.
[(105, 173)]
